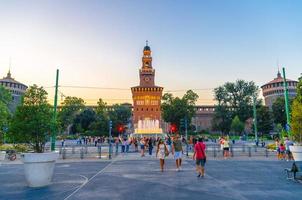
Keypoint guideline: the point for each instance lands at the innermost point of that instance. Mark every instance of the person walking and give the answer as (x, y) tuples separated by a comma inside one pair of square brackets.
[(142, 143), (150, 143), (226, 148), (177, 151), (161, 153), (200, 157)]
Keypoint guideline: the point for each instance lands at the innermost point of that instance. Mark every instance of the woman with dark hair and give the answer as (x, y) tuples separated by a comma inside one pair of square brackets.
[(161, 153)]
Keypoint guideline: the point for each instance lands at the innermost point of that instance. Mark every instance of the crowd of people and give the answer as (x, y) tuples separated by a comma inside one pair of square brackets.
[(282, 148)]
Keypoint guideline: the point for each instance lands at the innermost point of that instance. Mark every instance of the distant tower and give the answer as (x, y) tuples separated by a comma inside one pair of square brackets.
[(16, 88), (274, 89), (147, 96)]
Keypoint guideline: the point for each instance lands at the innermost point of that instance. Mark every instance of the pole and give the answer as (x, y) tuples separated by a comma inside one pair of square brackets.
[(255, 119), (286, 101), (186, 129), (110, 138), (53, 136)]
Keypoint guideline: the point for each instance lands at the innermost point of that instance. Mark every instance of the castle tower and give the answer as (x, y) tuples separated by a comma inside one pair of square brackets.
[(147, 96)]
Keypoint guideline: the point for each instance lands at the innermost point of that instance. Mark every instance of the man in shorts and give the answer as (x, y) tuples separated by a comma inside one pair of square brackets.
[(200, 157), (177, 151)]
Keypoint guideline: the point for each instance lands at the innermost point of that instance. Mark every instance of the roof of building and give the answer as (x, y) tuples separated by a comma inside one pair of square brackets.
[(9, 79), (147, 48), (278, 79)]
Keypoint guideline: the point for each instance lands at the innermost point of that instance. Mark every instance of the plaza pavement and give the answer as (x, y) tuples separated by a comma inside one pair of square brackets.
[(130, 177)]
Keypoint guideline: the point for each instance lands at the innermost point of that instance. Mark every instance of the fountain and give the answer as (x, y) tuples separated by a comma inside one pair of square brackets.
[(148, 126)]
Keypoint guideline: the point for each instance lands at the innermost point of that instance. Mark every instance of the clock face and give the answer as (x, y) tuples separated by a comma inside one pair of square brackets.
[(147, 79)]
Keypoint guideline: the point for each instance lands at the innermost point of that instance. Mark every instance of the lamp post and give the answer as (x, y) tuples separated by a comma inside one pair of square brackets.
[(54, 130), (110, 138), (255, 119), (286, 103)]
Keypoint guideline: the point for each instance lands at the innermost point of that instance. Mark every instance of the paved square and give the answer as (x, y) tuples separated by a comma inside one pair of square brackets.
[(141, 179)]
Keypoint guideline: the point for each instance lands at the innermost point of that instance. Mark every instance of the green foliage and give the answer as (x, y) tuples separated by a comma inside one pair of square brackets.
[(264, 120), (297, 114), (297, 120), (278, 111), (84, 119), (5, 98), (32, 121), (237, 126), (234, 99), (71, 106), (119, 114), (174, 108)]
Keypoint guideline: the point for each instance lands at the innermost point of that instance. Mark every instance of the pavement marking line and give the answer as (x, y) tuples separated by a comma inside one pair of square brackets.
[(99, 172)]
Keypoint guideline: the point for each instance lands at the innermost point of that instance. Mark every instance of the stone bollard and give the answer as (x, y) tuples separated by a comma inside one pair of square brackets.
[(82, 153), (60, 150), (64, 153), (100, 151), (250, 151), (73, 149), (266, 152)]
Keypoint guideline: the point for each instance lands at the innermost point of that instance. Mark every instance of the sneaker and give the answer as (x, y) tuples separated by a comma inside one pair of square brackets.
[(198, 175)]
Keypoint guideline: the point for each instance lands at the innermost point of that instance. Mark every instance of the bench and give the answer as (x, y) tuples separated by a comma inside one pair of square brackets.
[(293, 172)]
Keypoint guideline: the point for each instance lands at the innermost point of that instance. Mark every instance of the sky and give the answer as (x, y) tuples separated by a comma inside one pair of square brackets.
[(197, 44)]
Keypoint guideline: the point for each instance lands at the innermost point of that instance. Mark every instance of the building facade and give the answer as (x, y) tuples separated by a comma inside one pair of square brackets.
[(275, 88), (16, 89), (146, 96), (203, 118)]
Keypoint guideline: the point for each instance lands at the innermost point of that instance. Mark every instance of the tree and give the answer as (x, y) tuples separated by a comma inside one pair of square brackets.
[(234, 99), (222, 119), (237, 126), (5, 98), (100, 126), (71, 106), (264, 120), (119, 115), (278, 111), (297, 114), (32, 121), (83, 120), (174, 108)]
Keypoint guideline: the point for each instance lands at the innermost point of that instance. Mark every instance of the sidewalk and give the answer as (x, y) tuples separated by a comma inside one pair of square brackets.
[(131, 177)]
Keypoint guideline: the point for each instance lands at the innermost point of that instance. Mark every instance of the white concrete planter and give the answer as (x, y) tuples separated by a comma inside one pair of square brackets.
[(297, 152), (39, 167), (2, 155)]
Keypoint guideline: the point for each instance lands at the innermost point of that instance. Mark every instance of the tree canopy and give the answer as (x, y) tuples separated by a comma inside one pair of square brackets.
[(174, 108), (278, 111), (297, 114), (71, 106), (32, 121), (237, 126), (5, 98), (234, 99)]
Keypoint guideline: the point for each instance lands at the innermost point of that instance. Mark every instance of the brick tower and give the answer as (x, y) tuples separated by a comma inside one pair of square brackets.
[(147, 96)]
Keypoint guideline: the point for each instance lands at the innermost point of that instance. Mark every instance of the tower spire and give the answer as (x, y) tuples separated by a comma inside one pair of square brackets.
[(147, 42), (10, 63), (278, 74)]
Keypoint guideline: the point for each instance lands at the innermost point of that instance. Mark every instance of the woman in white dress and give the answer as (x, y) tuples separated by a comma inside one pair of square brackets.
[(161, 153)]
